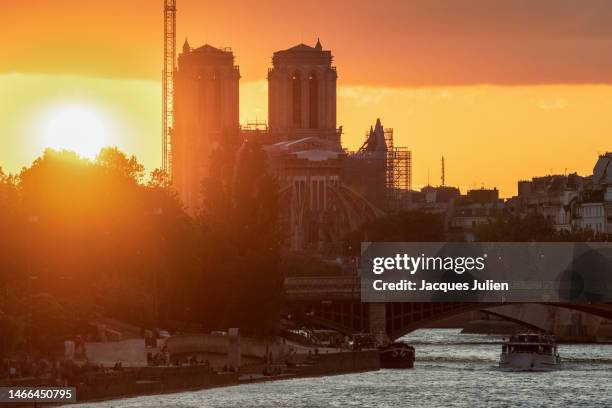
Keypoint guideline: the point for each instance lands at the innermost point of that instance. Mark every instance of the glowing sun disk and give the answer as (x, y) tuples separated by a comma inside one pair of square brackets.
[(79, 128)]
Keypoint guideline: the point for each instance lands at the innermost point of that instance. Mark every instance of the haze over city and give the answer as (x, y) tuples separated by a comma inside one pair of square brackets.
[(504, 90)]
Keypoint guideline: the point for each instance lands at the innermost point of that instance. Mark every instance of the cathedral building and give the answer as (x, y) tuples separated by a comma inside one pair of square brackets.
[(302, 140)]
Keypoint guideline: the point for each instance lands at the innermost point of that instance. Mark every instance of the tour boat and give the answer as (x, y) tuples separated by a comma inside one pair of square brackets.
[(529, 352), (397, 355)]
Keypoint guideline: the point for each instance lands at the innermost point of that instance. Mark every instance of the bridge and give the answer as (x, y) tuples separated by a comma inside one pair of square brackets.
[(335, 302)]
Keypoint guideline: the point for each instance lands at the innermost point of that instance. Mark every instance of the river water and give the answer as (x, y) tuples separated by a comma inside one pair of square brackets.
[(451, 370)]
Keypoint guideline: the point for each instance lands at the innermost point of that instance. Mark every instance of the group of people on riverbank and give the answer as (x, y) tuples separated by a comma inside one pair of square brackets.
[(162, 358), (60, 372)]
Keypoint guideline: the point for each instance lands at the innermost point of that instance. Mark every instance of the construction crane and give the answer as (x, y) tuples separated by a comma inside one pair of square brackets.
[(168, 84)]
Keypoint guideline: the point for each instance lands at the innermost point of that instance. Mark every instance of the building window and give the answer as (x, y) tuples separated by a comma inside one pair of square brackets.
[(313, 95), (217, 102), (297, 99)]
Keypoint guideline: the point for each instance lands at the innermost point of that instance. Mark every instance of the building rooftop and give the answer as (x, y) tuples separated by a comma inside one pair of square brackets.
[(301, 47), (602, 172), (303, 53), (206, 55)]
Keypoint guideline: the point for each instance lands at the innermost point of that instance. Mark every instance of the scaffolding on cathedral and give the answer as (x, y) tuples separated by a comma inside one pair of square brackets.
[(399, 176), (379, 170)]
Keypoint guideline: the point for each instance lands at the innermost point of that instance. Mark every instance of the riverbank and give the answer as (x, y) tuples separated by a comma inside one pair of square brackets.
[(165, 380), (446, 360)]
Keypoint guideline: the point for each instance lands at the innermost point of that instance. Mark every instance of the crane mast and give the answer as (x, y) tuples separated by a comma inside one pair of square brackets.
[(168, 84)]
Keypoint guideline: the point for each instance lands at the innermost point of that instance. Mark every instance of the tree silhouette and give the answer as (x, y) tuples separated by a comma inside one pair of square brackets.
[(408, 226), (242, 280), (91, 236)]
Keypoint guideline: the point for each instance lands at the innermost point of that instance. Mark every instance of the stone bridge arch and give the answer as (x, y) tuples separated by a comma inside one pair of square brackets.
[(398, 319)]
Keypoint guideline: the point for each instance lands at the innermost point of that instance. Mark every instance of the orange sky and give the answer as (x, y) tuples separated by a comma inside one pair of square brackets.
[(504, 89)]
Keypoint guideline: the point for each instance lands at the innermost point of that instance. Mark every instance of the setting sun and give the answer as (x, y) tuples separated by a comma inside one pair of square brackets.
[(79, 128)]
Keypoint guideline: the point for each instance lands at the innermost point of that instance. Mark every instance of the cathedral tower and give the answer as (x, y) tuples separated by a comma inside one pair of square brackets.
[(302, 94), (206, 106)]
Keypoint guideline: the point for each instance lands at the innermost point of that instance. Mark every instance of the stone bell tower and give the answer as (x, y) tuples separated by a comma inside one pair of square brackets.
[(205, 106), (302, 94)]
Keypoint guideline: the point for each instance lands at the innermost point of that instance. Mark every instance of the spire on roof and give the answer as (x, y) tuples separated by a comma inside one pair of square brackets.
[(186, 46), (318, 47), (375, 141), (378, 124)]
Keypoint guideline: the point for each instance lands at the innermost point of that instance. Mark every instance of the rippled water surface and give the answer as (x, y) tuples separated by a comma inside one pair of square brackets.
[(452, 370)]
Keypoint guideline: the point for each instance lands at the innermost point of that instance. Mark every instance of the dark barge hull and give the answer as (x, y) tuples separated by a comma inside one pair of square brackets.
[(397, 355)]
